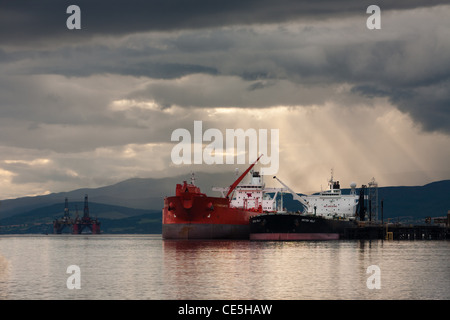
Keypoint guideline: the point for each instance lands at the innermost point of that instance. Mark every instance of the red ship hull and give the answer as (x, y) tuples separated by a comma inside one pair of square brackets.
[(191, 214), (203, 217)]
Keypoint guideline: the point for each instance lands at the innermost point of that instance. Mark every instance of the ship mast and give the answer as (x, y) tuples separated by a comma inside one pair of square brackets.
[(331, 181), (193, 178)]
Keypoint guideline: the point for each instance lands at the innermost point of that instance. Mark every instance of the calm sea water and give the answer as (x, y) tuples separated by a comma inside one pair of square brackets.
[(147, 267)]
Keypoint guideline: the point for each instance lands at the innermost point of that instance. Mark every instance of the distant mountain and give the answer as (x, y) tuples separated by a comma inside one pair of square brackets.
[(430, 200), (114, 219), (138, 193), (134, 205), (130, 206)]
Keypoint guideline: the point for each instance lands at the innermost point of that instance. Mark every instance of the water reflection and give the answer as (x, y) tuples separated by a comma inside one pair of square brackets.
[(4, 275), (264, 270), (303, 270), (147, 267)]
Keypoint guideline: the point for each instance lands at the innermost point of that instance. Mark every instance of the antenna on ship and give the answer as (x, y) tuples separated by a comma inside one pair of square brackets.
[(193, 178), (331, 179)]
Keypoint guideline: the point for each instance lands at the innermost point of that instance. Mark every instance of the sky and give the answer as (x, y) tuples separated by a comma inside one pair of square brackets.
[(98, 105)]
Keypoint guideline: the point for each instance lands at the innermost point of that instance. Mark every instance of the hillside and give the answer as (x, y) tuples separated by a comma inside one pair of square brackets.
[(430, 200), (138, 193), (114, 219)]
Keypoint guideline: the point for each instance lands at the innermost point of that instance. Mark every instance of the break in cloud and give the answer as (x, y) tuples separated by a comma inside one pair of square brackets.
[(95, 106)]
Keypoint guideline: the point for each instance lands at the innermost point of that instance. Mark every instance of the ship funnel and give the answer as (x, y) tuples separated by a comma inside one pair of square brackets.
[(353, 190)]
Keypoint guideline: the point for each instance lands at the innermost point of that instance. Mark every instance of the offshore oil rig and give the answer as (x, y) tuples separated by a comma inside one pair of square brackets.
[(77, 225)]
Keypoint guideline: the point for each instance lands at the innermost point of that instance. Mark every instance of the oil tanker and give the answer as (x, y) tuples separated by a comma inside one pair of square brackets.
[(191, 214), (295, 226), (326, 216)]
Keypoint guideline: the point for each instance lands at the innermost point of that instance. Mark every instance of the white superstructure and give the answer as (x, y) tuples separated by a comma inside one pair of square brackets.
[(332, 203), (253, 195)]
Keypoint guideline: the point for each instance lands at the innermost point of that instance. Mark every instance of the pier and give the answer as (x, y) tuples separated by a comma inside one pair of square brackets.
[(398, 232)]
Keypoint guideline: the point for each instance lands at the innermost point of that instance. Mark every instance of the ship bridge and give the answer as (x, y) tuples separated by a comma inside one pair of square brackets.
[(332, 203), (253, 195)]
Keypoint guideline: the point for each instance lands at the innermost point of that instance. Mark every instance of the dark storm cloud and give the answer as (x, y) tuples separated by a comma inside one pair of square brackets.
[(409, 68), (23, 21), (413, 72), (428, 105)]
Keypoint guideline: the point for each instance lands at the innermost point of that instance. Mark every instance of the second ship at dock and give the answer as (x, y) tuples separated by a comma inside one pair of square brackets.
[(325, 216)]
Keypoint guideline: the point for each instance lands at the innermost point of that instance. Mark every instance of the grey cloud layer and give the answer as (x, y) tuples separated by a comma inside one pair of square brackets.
[(303, 63), (22, 20), (89, 99)]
